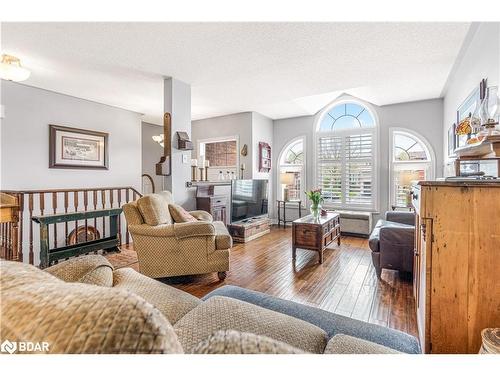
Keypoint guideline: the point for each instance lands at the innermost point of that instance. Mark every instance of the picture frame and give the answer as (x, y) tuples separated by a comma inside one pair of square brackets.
[(467, 108), (74, 148), (452, 140), (264, 157)]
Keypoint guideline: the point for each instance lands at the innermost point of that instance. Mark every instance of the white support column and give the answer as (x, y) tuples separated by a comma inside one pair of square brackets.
[(177, 101)]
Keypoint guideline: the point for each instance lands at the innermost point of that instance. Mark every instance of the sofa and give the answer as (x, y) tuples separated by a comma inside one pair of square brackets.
[(168, 248), (83, 305), (392, 242)]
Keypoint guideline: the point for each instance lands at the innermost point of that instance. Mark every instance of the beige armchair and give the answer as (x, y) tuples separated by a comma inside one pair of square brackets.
[(165, 248)]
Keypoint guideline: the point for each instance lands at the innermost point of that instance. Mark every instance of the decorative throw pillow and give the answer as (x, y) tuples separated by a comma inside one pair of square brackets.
[(180, 215), (153, 209)]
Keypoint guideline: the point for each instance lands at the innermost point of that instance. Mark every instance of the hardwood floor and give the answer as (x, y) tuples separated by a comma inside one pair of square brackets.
[(345, 283)]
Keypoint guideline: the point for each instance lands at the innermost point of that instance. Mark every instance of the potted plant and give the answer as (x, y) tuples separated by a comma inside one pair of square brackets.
[(316, 199)]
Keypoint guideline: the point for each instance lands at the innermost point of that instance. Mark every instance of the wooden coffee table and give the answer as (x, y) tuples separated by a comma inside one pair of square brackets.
[(315, 234)]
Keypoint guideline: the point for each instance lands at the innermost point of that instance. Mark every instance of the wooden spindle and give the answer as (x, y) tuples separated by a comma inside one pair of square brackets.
[(127, 234), (66, 205), (120, 217), (20, 249), (94, 197), (85, 205), (75, 205), (103, 202), (54, 210), (30, 209), (8, 247)]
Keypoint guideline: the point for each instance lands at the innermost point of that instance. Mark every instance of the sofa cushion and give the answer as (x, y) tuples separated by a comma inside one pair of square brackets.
[(223, 239), (78, 318), (344, 344), (222, 313), (154, 209), (331, 323), (172, 302), (179, 214), (235, 342), (88, 269)]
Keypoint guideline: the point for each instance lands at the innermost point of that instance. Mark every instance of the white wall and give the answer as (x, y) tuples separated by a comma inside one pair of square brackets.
[(25, 140), (478, 59), (262, 131), (424, 117), (238, 124), (151, 153)]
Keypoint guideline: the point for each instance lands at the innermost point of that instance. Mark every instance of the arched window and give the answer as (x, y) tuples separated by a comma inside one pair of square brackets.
[(411, 160), (346, 156), (291, 171)]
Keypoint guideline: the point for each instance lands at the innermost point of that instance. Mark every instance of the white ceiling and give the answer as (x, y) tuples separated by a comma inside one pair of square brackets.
[(278, 69)]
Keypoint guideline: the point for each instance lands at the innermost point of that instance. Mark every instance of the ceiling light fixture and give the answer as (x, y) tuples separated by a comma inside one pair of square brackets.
[(11, 69)]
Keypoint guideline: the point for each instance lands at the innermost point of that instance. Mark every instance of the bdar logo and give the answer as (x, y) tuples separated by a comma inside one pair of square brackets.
[(8, 347)]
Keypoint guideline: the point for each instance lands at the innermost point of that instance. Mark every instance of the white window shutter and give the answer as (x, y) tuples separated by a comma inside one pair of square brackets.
[(345, 170)]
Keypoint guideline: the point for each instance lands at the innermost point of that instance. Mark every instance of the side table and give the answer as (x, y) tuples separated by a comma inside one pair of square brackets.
[(282, 205)]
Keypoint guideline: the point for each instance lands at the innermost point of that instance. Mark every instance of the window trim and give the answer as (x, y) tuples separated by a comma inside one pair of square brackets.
[(303, 138), (221, 139), (427, 148), (374, 130)]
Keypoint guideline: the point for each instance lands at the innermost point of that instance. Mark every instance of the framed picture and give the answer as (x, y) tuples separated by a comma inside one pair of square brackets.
[(452, 140), (264, 157), (73, 148), (467, 108)]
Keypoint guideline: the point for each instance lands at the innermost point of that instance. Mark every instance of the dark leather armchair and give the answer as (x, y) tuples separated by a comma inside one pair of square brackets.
[(392, 242)]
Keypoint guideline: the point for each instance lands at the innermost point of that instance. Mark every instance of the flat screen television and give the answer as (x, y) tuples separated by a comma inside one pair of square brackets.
[(248, 199)]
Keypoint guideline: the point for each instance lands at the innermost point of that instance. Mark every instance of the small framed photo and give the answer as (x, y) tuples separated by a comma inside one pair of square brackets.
[(72, 148)]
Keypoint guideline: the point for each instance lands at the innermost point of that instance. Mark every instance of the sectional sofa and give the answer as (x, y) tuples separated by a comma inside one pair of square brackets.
[(83, 305)]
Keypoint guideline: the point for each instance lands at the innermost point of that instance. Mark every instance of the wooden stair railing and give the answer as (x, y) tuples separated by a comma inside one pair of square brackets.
[(55, 201)]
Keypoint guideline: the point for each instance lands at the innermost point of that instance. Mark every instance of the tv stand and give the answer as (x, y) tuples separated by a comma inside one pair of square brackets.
[(249, 229)]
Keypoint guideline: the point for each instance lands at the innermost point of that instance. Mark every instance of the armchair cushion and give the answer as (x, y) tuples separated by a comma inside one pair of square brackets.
[(223, 239), (221, 313), (179, 214), (154, 209), (235, 342), (391, 230), (76, 318), (202, 215), (344, 344), (172, 302), (90, 269), (194, 229), (166, 230), (132, 213)]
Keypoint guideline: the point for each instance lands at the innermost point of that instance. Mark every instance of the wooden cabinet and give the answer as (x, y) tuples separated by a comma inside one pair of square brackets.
[(457, 260), (311, 234), (215, 205)]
